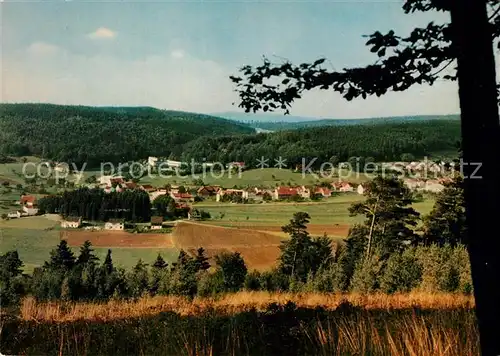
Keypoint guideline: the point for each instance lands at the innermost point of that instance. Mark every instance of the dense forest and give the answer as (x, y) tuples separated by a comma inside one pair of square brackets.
[(382, 142), (95, 204), (286, 125), (94, 135), (120, 134)]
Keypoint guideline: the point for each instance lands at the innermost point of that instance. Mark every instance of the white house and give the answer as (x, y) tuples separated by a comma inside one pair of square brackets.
[(156, 222), (15, 215), (30, 211), (173, 164), (152, 161), (71, 222), (433, 186), (114, 224), (360, 189)]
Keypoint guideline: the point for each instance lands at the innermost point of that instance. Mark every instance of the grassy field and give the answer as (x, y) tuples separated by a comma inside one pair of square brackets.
[(34, 238), (267, 177), (330, 216), (249, 323)]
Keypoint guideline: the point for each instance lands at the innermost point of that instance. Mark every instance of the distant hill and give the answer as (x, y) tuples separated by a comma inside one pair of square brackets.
[(101, 134), (381, 141), (277, 122)]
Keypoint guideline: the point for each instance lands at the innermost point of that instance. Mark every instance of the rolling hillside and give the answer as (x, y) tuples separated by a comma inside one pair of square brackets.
[(100, 134), (277, 122)]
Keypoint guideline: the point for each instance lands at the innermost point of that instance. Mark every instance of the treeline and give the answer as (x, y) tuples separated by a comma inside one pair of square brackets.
[(382, 142), (286, 125), (94, 135), (387, 253), (95, 204)]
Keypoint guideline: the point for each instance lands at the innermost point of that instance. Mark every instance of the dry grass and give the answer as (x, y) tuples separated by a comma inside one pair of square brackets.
[(378, 325), (234, 303)]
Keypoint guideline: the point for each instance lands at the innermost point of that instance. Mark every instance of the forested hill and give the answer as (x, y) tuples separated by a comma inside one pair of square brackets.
[(284, 125), (379, 141), (101, 134), (276, 122)]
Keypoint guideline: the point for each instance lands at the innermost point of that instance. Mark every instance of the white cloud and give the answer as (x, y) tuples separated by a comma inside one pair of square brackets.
[(42, 48), (178, 53), (192, 84), (102, 33)]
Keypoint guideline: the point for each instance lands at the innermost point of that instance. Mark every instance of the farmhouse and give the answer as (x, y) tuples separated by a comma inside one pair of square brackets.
[(414, 184), (28, 200), (433, 186), (147, 187), (208, 190), (239, 165), (324, 192), (71, 222), (343, 187), (15, 215), (239, 192), (285, 193), (108, 180), (114, 224), (156, 222), (152, 161), (182, 197), (157, 193)]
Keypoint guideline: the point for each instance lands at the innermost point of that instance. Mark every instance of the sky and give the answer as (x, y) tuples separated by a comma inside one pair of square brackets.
[(179, 55)]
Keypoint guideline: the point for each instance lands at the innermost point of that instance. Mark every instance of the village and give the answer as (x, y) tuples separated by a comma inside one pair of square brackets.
[(186, 196)]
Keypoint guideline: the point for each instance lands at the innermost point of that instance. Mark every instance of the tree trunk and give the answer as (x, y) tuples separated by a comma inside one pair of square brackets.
[(480, 142), (370, 234)]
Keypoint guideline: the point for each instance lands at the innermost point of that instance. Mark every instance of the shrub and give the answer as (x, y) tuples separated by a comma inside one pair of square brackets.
[(402, 273)]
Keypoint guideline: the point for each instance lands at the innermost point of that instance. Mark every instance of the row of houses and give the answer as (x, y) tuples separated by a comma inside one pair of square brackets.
[(72, 222), (429, 185)]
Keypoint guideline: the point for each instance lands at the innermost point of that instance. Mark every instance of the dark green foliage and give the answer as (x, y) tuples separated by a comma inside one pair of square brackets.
[(446, 222), (390, 219), (402, 273), (87, 256), (61, 258), (301, 255), (383, 142), (138, 280), (232, 269), (93, 135), (12, 284), (95, 204)]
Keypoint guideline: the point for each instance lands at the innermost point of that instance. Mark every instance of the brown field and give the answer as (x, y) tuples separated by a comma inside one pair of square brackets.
[(116, 239), (259, 249), (235, 303)]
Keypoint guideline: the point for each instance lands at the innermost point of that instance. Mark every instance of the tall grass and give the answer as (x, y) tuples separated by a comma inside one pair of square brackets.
[(248, 323)]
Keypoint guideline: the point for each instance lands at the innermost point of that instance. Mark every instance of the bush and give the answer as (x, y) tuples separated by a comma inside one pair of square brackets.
[(402, 273), (366, 274), (253, 281), (211, 284)]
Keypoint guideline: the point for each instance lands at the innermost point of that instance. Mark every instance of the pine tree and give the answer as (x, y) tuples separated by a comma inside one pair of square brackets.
[(87, 256), (446, 222), (202, 260), (108, 263), (61, 257), (160, 263)]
